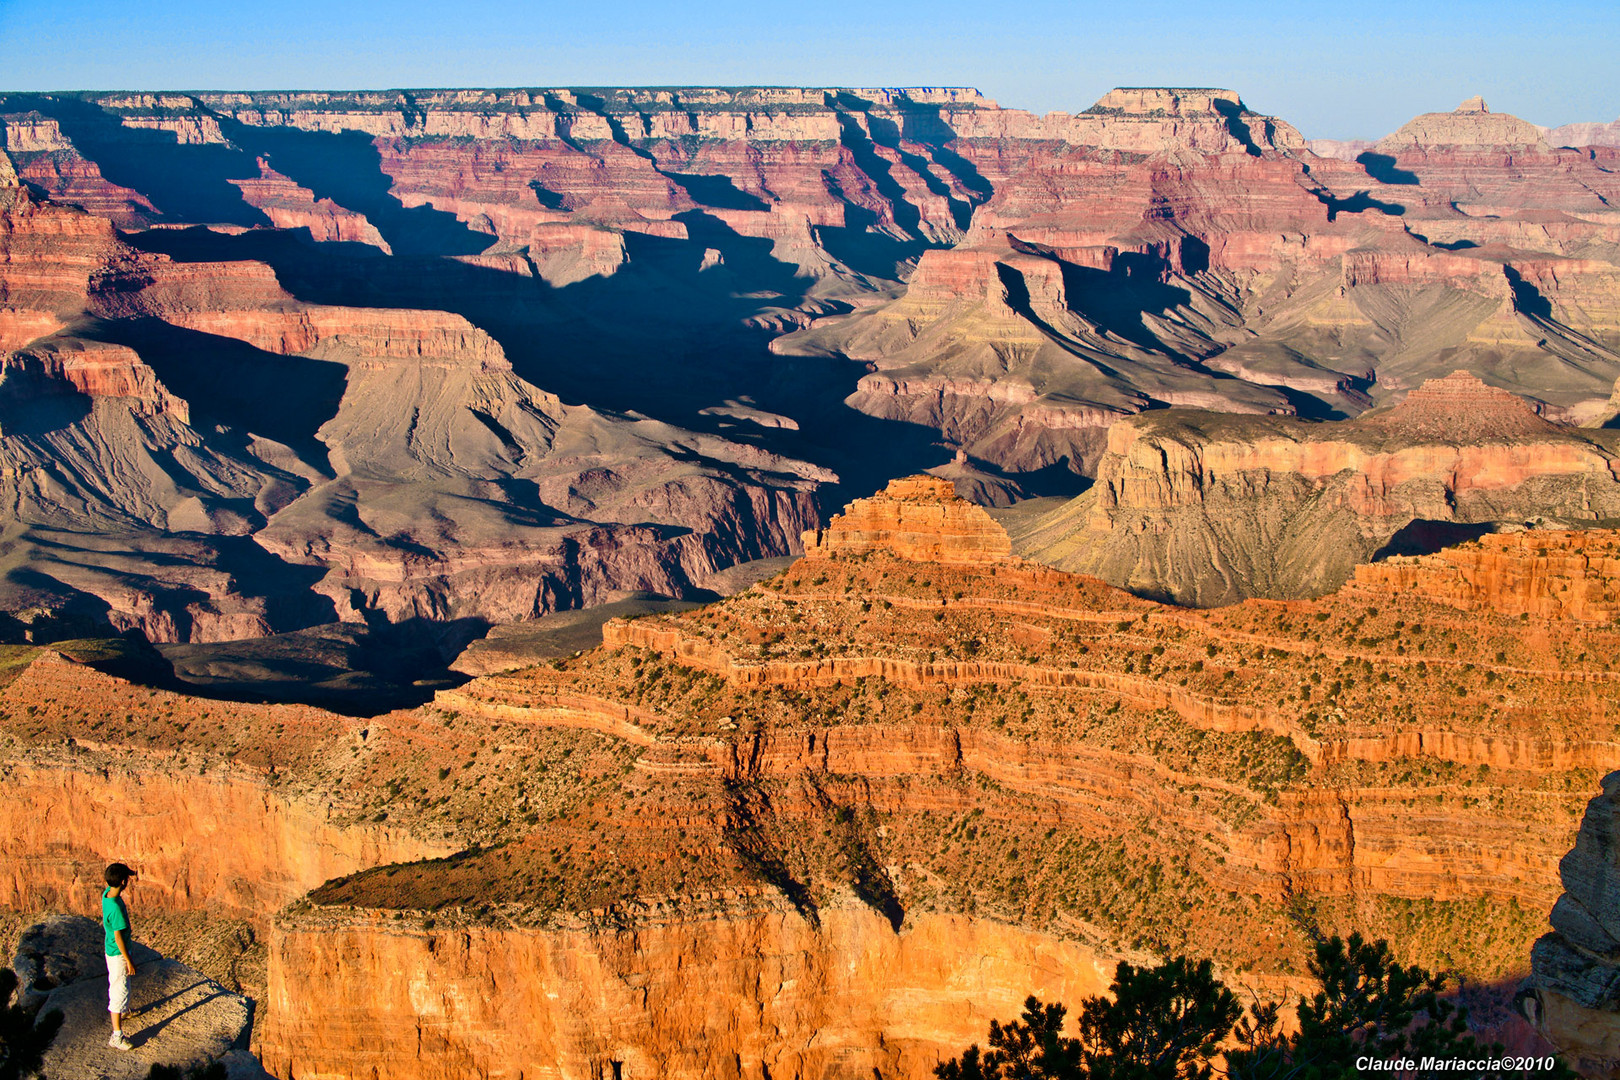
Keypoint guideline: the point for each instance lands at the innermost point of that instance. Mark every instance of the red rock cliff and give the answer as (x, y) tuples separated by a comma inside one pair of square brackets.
[(919, 518)]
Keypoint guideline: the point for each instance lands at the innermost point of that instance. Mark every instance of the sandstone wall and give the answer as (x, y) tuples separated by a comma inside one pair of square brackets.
[(755, 995), (1546, 574), (201, 836)]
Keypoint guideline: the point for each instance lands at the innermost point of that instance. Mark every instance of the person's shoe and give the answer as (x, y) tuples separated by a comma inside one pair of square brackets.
[(118, 1042)]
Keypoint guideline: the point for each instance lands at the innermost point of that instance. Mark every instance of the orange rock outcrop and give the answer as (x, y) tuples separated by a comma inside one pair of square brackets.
[(1569, 575), (854, 783), (205, 833), (883, 718), (849, 784), (842, 993), (919, 518)]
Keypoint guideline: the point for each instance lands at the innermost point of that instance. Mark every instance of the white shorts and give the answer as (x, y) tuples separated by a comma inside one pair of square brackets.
[(117, 985)]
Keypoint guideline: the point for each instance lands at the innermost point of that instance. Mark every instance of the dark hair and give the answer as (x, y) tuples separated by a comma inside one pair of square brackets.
[(117, 875)]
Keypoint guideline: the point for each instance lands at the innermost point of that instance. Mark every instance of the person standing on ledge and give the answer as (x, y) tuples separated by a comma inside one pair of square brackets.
[(115, 923)]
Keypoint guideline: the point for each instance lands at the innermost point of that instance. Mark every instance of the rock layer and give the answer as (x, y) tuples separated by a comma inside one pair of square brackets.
[(1110, 277), (1544, 574), (1207, 509), (852, 783), (920, 518), (478, 258), (840, 996)]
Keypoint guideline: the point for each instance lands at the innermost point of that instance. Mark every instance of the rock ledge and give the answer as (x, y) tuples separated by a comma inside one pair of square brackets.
[(919, 518)]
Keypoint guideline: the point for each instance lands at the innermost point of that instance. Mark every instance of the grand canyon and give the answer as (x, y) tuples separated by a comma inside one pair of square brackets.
[(756, 582)]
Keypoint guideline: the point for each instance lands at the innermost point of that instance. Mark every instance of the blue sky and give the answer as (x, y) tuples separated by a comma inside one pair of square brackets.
[(1342, 70)]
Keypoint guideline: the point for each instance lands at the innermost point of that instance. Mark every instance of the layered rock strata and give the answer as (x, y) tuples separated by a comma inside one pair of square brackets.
[(1014, 283), (1176, 224), (920, 518), (1206, 509), (852, 783), (1540, 573), (322, 462), (728, 704), (1214, 261)]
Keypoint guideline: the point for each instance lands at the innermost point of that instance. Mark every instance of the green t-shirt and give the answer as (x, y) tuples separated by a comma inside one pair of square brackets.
[(114, 917)]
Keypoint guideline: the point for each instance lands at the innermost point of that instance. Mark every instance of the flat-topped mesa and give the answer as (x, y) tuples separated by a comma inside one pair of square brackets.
[(1548, 574), (1462, 406), (1171, 100), (925, 95), (97, 370), (1168, 119), (919, 518)]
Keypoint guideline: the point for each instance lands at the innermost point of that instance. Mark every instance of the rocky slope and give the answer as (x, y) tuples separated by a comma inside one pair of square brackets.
[(1206, 509), (409, 474), (177, 1017), (451, 357), (710, 846), (1212, 260)]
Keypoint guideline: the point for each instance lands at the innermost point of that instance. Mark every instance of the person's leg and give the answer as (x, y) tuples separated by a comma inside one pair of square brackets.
[(117, 1000)]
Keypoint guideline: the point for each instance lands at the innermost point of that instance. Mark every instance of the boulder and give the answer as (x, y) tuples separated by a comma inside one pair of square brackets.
[(178, 1017), (1575, 970)]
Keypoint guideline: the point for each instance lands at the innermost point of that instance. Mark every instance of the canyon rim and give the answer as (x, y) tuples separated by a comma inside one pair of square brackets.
[(757, 581)]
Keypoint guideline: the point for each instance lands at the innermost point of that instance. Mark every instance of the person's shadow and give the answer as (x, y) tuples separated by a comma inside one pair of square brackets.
[(151, 1032)]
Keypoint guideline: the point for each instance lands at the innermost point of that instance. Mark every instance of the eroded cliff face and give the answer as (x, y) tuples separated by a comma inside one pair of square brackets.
[(1548, 575), (1108, 277), (920, 518), (418, 358), (205, 831), (1207, 509), (854, 758), (201, 448), (702, 993), (837, 822), (322, 462), (711, 280)]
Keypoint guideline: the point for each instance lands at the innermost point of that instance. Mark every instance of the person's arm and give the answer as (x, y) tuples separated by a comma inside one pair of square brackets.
[(122, 937)]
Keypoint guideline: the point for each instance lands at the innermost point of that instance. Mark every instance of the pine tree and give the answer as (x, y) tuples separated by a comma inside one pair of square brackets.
[(1171, 1021)]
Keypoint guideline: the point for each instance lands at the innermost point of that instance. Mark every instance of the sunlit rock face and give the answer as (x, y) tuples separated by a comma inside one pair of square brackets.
[(919, 517), (910, 769), (1206, 508)]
